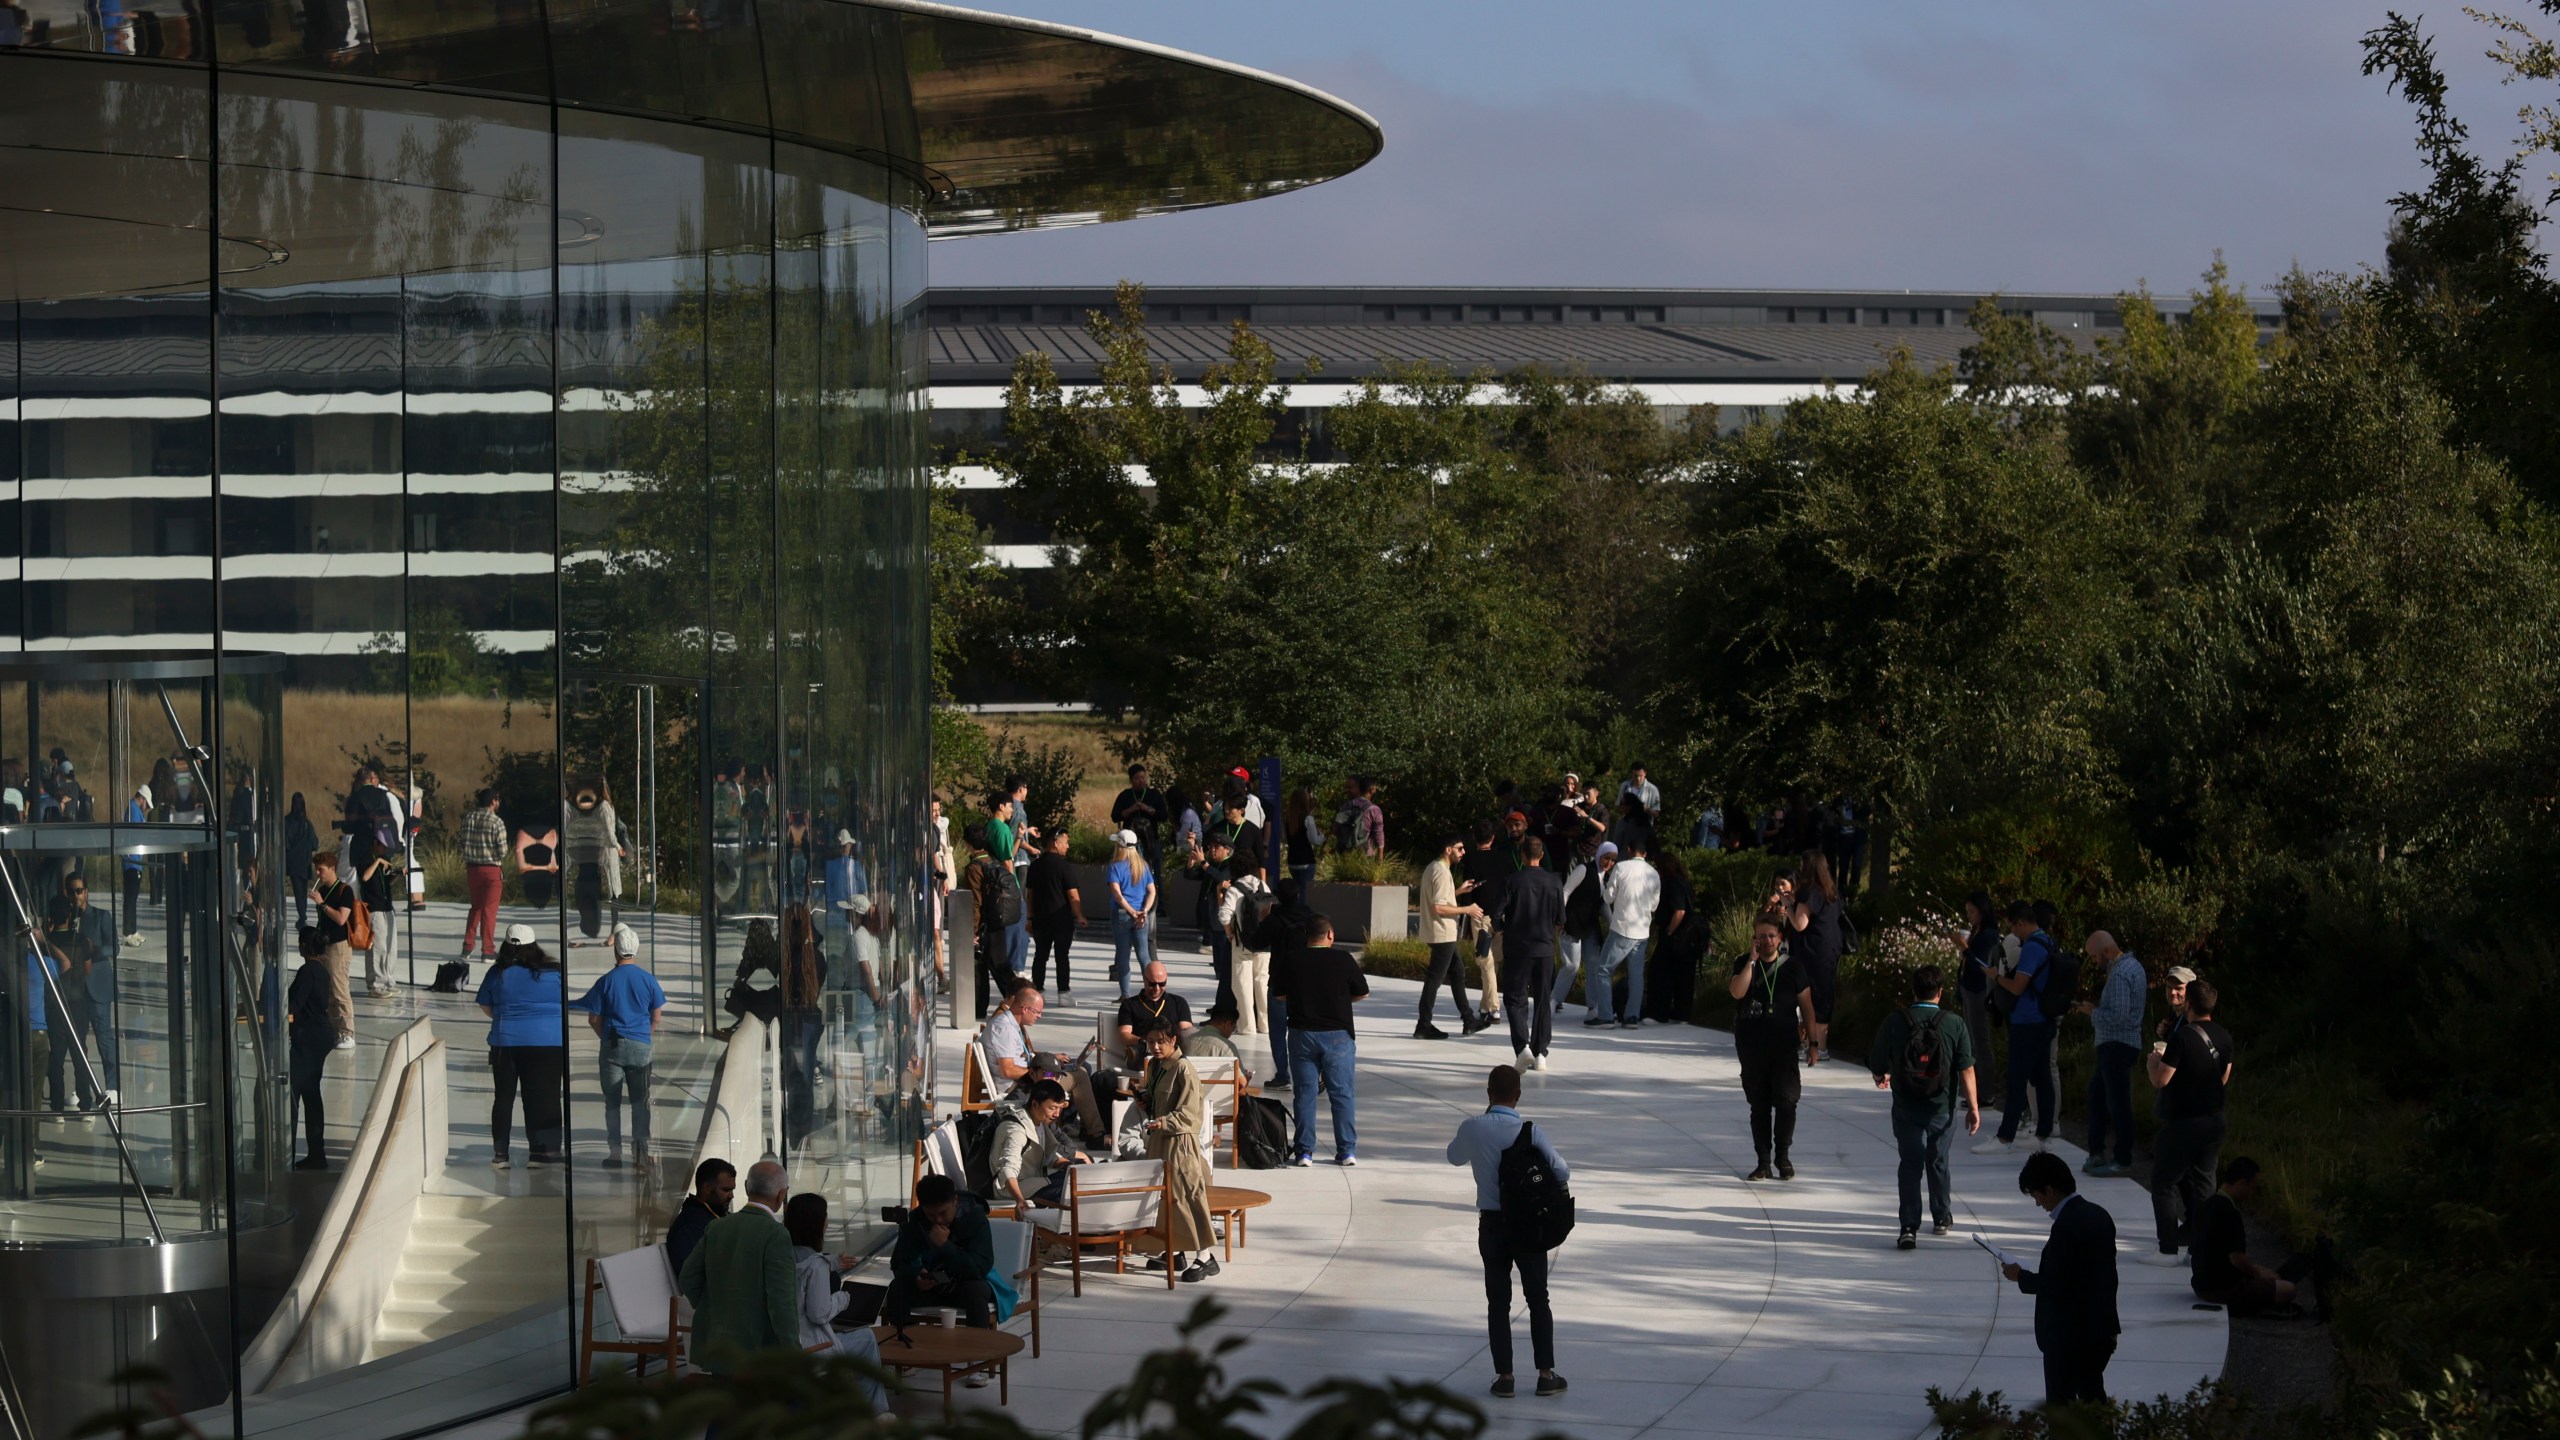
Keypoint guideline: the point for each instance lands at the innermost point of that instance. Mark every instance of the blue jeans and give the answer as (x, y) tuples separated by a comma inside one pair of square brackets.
[(1325, 1055), (1129, 936), (1627, 950), (1569, 950), (2030, 1063), (1017, 947), (2111, 1101), (623, 1065), (1924, 1143)]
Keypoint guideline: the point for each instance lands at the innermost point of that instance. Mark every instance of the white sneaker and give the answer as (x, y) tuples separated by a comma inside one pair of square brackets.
[(345, 1042), (1995, 1146), (1538, 1063), (1065, 997), (1524, 1062), (2162, 1258), (2039, 1145), (134, 939)]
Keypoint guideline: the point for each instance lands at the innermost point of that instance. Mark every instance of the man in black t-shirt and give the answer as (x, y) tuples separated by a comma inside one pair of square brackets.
[(1057, 908), (1770, 993), (1324, 983), (2219, 1237), (2190, 1069), (1140, 809), (1155, 1004)]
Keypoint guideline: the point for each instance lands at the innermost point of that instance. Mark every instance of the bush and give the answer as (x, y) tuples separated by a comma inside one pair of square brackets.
[(1396, 959), (2208, 1412), (1087, 845), (1053, 773), (1351, 867)]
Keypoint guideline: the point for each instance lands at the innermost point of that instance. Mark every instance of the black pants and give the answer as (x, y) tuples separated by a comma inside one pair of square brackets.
[(540, 1070), (991, 967), (308, 1062), (1771, 1082), (68, 1031), (590, 888), (2077, 1374), (1671, 982), (1822, 977), (974, 1299), (1051, 937), (1493, 1243), (133, 898), (1526, 982), (1446, 966), (2183, 1157)]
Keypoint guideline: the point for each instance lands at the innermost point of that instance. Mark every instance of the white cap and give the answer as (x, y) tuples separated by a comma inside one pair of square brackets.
[(626, 941), (520, 935), (844, 837), (1125, 837), (858, 903)]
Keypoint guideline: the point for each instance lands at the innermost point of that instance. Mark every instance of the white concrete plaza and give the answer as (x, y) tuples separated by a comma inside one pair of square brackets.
[(1688, 1302)]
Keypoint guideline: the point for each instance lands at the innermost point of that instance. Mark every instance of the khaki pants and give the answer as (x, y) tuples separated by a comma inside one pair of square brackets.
[(1490, 994), (1252, 985), (342, 1006)]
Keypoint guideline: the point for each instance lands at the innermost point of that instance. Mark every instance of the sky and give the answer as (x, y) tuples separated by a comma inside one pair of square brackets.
[(1799, 144)]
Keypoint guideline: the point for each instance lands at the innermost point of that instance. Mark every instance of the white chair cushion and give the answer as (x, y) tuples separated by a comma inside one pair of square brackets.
[(638, 1284)]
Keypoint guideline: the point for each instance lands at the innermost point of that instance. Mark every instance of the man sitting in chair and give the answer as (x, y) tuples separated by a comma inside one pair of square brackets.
[(1217, 1040), (1016, 1064), (1029, 1142), (945, 1256)]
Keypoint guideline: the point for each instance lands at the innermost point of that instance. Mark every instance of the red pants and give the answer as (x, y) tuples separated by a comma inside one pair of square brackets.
[(484, 884)]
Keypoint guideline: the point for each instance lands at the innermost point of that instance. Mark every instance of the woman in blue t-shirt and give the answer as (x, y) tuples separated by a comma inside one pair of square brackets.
[(525, 1000), (1133, 909)]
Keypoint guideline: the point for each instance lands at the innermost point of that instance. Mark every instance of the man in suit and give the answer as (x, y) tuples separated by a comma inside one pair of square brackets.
[(743, 1279), (2074, 1284), (1530, 909)]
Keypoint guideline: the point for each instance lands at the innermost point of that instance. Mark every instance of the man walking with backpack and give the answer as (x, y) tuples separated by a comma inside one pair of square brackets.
[(1491, 1144), (1926, 1061)]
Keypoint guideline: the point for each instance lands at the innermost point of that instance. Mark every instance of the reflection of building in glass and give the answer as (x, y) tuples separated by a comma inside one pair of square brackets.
[(540, 420), (1742, 355)]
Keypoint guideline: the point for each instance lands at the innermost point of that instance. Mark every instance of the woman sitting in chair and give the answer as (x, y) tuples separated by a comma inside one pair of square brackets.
[(805, 1216), (1176, 1110)]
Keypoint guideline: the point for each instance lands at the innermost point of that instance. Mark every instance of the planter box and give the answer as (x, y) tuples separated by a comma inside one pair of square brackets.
[(1361, 913)]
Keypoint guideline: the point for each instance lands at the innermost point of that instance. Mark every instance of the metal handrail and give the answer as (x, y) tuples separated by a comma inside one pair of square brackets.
[(88, 1114)]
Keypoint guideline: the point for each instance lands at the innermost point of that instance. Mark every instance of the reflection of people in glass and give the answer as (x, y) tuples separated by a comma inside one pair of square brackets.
[(484, 873), (728, 820), (593, 839), (946, 878), (524, 998), (623, 1009), (804, 979), (376, 828), (334, 908), (756, 813), (308, 1032), (84, 942), (538, 864), (300, 839)]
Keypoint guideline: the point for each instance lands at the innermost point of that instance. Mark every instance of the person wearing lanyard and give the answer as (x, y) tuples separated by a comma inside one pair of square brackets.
[(1773, 991)]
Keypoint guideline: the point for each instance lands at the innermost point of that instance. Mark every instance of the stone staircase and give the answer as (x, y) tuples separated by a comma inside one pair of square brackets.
[(472, 1259)]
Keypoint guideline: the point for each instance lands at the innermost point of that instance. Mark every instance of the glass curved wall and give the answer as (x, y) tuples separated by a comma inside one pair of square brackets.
[(515, 399)]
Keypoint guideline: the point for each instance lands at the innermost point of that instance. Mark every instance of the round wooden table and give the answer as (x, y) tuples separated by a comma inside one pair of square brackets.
[(1228, 1203), (960, 1350)]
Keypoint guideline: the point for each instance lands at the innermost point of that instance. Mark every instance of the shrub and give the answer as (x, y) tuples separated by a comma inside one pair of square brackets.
[(1350, 867), (1087, 845), (2210, 1411), (1396, 959), (1053, 774)]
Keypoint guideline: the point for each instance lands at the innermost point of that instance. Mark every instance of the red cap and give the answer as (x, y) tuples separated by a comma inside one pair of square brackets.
[(1241, 773)]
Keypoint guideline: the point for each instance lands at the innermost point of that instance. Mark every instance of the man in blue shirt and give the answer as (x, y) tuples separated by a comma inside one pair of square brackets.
[(2030, 1035), (1479, 1144), (623, 1008)]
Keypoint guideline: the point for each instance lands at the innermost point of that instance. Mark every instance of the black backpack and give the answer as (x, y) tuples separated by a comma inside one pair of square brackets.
[(2061, 983), (977, 1136), (1004, 891), (1536, 1206), (1920, 1071), (1262, 1133)]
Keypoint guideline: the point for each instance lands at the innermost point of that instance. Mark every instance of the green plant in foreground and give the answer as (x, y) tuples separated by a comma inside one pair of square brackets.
[(2208, 1412)]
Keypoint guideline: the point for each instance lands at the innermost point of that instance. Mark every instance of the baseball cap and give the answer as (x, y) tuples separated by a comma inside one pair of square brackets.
[(519, 934), (1241, 773), (844, 837), (626, 941), (1124, 837), (2182, 974)]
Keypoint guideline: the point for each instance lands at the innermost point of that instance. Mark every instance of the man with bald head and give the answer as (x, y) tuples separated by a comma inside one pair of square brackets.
[(2116, 1015), (743, 1279)]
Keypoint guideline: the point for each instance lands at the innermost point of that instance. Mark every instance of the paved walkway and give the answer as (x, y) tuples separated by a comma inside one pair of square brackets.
[(1687, 1302)]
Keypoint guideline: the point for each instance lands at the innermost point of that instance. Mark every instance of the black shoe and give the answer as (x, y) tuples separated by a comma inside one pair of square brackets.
[(613, 1162), (1201, 1269), (1502, 1387), (1943, 1227), (1595, 1020), (1786, 1168), (1908, 1240), (1550, 1384), (1429, 1032), (1155, 1264), (1760, 1172), (312, 1162), (1278, 1082), (1477, 1022)]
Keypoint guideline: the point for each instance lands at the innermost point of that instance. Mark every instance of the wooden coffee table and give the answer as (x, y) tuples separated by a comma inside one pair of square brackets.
[(960, 1350), (1228, 1203)]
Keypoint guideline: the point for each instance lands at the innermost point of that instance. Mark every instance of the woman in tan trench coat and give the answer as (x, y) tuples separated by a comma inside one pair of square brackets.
[(1177, 1108)]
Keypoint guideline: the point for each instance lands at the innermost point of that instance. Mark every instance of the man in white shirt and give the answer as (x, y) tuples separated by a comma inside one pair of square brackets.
[(1646, 792), (1479, 1144), (1632, 888), (1009, 1054)]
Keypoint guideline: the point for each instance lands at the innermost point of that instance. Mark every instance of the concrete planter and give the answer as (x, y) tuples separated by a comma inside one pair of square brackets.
[(1361, 913)]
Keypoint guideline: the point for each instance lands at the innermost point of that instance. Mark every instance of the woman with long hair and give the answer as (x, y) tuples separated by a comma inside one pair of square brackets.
[(1133, 908), (803, 1021), (804, 1219), (525, 997), (301, 838), (1301, 836), (593, 837), (1813, 915)]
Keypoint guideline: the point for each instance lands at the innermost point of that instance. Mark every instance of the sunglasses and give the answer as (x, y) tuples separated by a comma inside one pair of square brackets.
[(1155, 984)]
